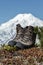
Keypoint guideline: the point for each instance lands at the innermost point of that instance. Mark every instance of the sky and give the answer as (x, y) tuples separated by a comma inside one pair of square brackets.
[(10, 8)]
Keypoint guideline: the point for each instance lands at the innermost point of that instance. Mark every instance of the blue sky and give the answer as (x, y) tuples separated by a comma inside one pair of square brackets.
[(10, 8)]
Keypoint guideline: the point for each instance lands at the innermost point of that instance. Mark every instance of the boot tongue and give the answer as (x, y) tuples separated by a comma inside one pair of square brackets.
[(19, 29)]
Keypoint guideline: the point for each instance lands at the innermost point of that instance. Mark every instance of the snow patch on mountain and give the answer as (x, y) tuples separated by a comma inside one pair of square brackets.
[(8, 29)]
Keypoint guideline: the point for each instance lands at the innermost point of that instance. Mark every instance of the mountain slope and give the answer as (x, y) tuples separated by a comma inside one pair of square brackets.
[(8, 29)]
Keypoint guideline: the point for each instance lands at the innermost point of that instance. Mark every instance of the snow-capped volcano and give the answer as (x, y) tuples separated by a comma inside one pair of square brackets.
[(8, 29)]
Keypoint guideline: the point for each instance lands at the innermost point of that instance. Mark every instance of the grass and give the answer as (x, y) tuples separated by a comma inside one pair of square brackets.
[(11, 56)]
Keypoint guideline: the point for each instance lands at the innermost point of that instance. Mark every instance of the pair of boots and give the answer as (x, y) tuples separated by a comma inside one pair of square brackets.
[(25, 37)]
